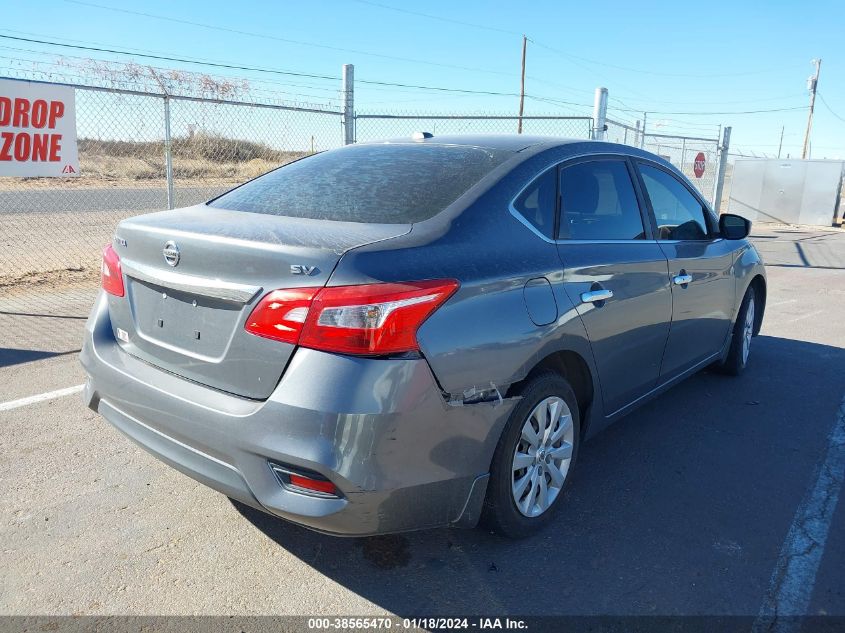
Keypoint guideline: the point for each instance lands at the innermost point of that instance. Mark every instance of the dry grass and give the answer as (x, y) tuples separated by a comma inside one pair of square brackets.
[(208, 158)]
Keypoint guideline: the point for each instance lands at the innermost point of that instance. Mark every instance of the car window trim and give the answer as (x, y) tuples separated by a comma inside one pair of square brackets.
[(557, 165), (709, 216), (518, 214)]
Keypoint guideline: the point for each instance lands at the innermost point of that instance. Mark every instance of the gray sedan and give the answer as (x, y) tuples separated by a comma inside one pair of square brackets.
[(417, 333)]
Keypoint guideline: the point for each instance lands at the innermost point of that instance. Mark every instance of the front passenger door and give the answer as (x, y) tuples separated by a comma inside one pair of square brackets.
[(700, 270)]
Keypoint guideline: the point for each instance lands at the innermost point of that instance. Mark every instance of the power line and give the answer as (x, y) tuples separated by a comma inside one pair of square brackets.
[(732, 102), (73, 73), (114, 51), (437, 17), (321, 88), (653, 72), (181, 60), (569, 56), (276, 38), (829, 109), (140, 51), (386, 86), (734, 112), (555, 50), (184, 60)]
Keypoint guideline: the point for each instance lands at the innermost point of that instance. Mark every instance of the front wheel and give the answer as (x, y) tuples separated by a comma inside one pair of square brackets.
[(533, 459), (737, 358)]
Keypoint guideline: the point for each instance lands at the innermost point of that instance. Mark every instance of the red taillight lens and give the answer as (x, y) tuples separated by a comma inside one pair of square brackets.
[(369, 319), (373, 319), (281, 314), (110, 272)]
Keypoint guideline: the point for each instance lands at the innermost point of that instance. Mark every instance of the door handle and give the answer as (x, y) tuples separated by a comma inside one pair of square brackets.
[(681, 280), (594, 296)]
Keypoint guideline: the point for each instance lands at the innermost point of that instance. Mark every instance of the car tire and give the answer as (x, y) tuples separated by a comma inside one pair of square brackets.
[(737, 359), (508, 510)]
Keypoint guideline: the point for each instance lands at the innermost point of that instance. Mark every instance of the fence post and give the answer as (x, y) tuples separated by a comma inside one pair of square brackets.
[(348, 120), (168, 153), (642, 137), (723, 164), (600, 114)]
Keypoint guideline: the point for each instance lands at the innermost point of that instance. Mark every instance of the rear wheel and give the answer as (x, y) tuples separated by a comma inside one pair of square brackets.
[(740, 350), (533, 459)]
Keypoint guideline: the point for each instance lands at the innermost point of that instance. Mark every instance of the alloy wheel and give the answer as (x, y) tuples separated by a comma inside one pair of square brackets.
[(542, 456), (747, 331)]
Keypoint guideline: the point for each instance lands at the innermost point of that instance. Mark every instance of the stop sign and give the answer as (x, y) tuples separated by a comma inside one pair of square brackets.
[(698, 165)]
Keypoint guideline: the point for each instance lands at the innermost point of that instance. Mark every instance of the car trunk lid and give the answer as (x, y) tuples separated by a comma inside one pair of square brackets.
[(194, 275)]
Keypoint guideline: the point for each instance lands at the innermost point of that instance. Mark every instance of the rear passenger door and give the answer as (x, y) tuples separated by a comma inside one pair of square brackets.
[(614, 273), (700, 269)]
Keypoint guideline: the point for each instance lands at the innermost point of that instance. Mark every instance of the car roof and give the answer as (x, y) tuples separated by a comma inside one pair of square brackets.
[(503, 142)]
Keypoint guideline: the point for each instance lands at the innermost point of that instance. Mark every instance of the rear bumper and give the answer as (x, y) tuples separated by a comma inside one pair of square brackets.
[(378, 429)]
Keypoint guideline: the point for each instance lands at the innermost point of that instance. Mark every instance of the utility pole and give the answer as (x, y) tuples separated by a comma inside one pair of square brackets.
[(780, 145), (812, 85), (522, 86)]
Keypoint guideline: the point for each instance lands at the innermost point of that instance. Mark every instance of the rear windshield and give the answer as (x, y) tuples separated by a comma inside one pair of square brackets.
[(390, 184)]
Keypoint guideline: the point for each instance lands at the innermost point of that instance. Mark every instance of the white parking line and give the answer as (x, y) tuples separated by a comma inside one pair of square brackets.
[(41, 397), (806, 315), (794, 577)]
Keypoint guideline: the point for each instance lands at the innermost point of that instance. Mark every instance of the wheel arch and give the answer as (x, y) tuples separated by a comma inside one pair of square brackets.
[(572, 366), (758, 283)]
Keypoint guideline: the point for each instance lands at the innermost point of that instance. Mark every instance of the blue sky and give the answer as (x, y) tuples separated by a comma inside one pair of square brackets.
[(665, 58)]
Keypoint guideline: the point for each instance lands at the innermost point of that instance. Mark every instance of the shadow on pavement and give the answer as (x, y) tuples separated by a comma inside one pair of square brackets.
[(681, 508), (9, 356)]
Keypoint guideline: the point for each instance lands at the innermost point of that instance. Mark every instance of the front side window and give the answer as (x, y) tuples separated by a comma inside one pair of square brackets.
[(679, 215), (538, 202), (598, 202)]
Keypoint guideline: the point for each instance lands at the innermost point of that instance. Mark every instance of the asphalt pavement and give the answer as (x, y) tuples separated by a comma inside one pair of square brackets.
[(692, 505)]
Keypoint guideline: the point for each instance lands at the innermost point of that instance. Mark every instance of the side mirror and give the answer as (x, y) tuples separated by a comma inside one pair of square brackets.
[(734, 227)]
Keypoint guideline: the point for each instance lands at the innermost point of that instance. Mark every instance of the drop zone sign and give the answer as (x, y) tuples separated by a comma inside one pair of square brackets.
[(37, 130)]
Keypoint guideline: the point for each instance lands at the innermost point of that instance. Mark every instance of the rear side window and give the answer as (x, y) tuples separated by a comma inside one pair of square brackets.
[(385, 183), (538, 202), (598, 202), (679, 215)]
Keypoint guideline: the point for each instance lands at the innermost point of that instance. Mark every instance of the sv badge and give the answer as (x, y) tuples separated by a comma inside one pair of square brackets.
[(301, 269)]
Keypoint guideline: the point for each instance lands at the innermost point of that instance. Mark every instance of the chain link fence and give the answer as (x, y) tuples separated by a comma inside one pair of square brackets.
[(682, 151)]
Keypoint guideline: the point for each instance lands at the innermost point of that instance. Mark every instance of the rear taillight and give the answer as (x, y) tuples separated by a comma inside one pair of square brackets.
[(110, 273), (281, 314), (372, 319)]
